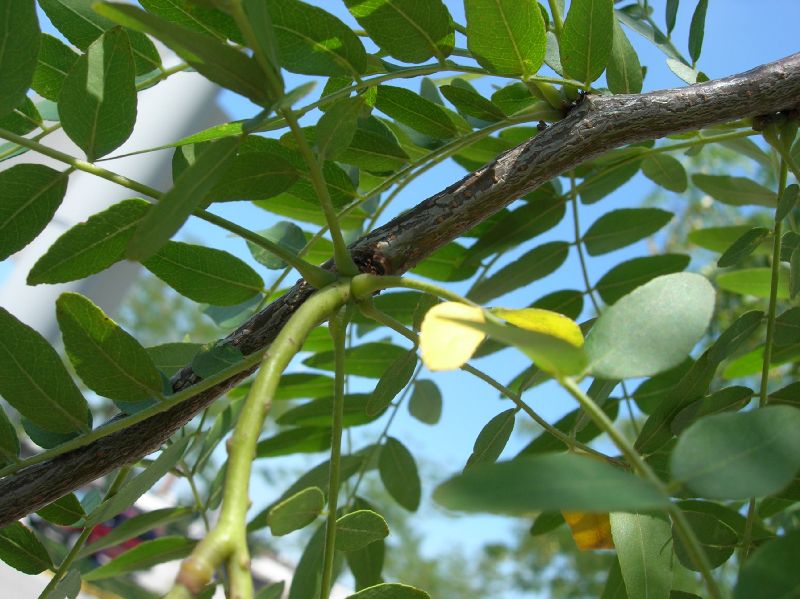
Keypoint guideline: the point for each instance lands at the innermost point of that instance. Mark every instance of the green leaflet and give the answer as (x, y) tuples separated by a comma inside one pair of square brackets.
[(358, 529), (666, 171), (144, 556), (697, 30), (22, 550), (739, 455), (651, 329), (623, 227), (9, 443), (408, 30), (296, 512), (534, 265), (205, 274), (547, 482), (368, 360), (507, 37), (98, 97), (108, 359), (642, 542), (415, 111), (91, 246), (34, 381), (314, 42), (624, 73), (218, 62), (735, 191), (587, 39), (492, 439), (425, 403), (175, 206), (19, 46), (628, 275), (30, 194), (399, 474), (81, 25), (390, 590)]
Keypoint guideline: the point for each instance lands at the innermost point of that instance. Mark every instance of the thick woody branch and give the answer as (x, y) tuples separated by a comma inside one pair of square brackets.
[(597, 125)]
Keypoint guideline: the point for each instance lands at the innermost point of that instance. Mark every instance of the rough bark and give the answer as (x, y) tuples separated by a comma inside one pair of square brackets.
[(595, 126)]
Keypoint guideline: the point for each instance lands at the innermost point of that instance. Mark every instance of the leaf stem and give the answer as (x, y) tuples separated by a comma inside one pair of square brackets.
[(558, 21), (747, 537), (369, 310), (341, 255), (83, 537), (637, 462), (338, 331), (228, 540)]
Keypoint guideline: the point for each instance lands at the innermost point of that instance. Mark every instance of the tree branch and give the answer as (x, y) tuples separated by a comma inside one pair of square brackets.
[(595, 126)]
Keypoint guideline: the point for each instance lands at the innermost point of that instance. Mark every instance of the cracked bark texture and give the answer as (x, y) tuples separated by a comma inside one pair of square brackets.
[(595, 126)]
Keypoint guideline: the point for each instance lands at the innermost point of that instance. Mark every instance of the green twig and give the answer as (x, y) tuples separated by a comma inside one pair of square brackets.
[(338, 330), (83, 537), (747, 537), (227, 542), (637, 462), (558, 21), (341, 255)]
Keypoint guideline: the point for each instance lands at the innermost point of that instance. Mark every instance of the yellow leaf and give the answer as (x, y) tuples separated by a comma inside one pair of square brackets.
[(590, 530), (543, 321), (447, 345)]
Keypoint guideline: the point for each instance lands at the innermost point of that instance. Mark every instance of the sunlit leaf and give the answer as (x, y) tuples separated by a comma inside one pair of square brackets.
[(219, 62), (408, 30), (98, 97), (587, 39), (754, 281), (314, 42), (624, 73), (507, 37), (446, 344), (390, 590), (107, 358), (645, 557), (735, 191), (18, 51)]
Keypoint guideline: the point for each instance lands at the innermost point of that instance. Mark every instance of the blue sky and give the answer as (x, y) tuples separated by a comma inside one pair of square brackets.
[(741, 34)]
